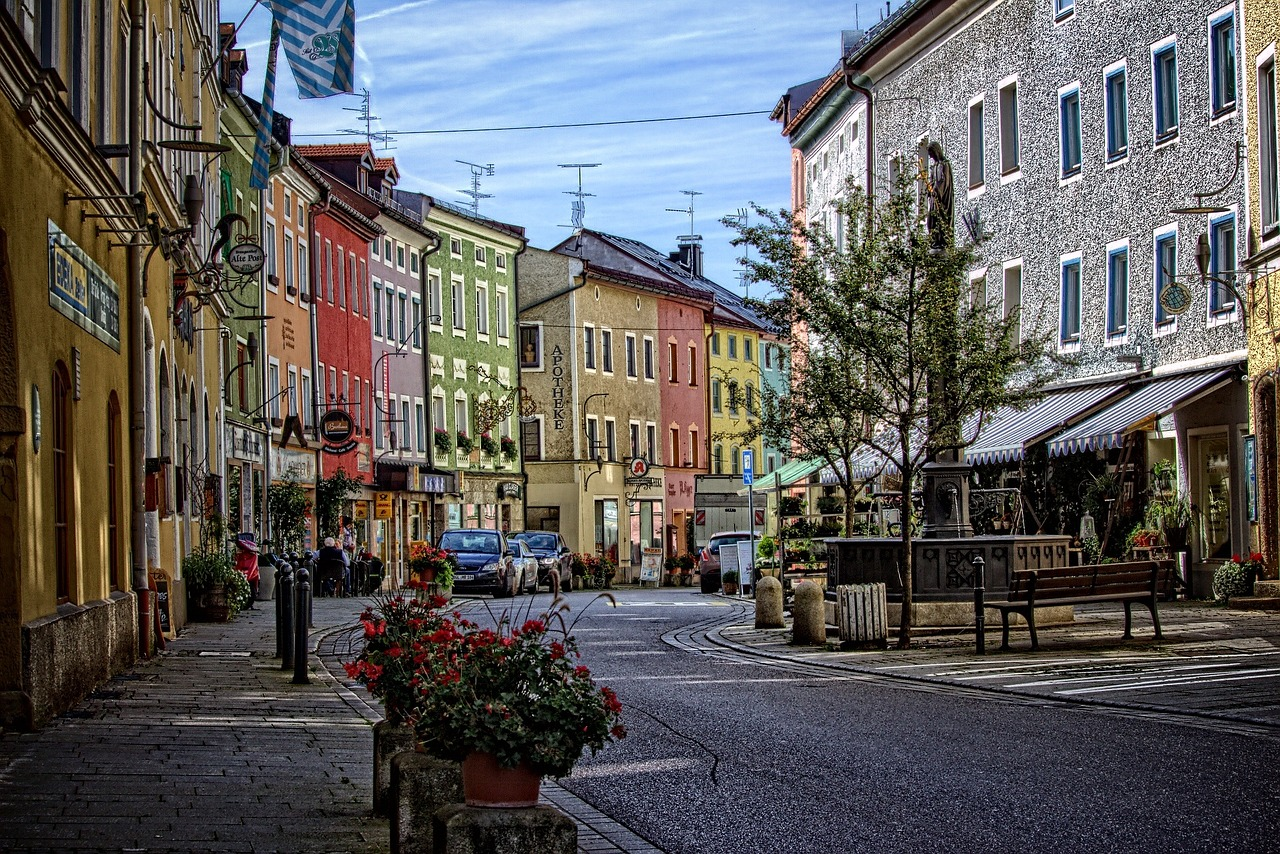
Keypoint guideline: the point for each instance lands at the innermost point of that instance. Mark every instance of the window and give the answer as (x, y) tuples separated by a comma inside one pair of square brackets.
[(636, 450), (308, 400), (377, 307), (715, 397), (342, 280), (413, 262), (420, 414), (977, 171), (1222, 261), (733, 399), (767, 349), (459, 305), (402, 326), (531, 439), (589, 347), (416, 319), (606, 350), (1013, 294), (693, 365), (504, 328), (273, 387), (751, 401), (353, 282), (304, 283), (270, 241), (291, 390), (1222, 64), (1069, 326), (1268, 147), (717, 459), (461, 423), (1062, 9), (1010, 161), (593, 437), (1116, 94), (435, 306), (1117, 291), (611, 439), (748, 349), (530, 346), (651, 443), (648, 359), (1165, 91), (328, 270), (715, 344), (674, 458), (114, 563), (455, 247), (733, 346), (482, 309), (693, 447), (673, 351), (482, 255), (500, 260), (377, 422), (735, 456), (1166, 265), (287, 277), (631, 355), (375, 248), (62, 487), (387, 256), (1069, 128)]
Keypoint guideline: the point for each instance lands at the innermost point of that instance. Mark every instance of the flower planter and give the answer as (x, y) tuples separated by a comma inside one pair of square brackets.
[(209, 606), (487, 784)]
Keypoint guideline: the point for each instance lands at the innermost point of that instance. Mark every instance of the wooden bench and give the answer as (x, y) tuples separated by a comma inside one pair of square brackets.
[(1126, 583)]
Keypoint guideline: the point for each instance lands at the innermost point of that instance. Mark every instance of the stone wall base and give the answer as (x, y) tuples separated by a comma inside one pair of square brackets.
[(460, 829), (420, 785)]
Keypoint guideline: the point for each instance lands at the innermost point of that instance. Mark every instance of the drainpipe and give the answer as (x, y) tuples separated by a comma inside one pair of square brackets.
[(137, 344), (313, 289), (866, 93)]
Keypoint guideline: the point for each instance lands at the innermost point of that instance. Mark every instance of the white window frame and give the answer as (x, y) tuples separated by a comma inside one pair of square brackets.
[(648, 358), (976, 188), (1065, 92), (1008, 176), (590, 349), (606, 351), (1268, 144), (541, 363), (1214, 19), (1118, 336), (1072, 344), (631, 357), (503, 310), (1231, 314), (1170, 137), (1112, 70), (435, 299), (458, 305), (482, 311), (1170, 326)]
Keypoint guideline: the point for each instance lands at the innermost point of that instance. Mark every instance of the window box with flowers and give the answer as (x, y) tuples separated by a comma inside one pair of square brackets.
[(509, 451), (443, 441), (465, 444), (488, 444)]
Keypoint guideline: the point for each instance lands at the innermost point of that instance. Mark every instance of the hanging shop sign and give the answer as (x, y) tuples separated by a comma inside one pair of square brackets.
[(360, 511), (246, 258), (338, 431), (382, 505), (508, 489), (81, 291)]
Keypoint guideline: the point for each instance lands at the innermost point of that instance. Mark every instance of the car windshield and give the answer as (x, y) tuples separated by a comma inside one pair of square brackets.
[(469, 541), (717, 542), (545, 542)]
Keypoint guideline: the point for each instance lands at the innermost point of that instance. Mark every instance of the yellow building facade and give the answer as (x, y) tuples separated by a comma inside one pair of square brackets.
[(1261, 27)]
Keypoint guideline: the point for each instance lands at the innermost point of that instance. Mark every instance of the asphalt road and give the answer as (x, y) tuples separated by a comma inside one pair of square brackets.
[(729, 753)]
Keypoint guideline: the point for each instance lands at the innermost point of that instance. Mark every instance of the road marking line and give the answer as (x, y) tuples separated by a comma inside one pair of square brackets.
[(1163, 683), (1114, 676)]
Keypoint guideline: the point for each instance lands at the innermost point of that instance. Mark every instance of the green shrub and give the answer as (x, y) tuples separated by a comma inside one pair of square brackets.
[(1230, 580)]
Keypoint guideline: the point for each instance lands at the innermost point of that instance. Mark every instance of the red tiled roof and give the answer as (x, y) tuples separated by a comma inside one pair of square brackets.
[(384, 162), (337, 149)]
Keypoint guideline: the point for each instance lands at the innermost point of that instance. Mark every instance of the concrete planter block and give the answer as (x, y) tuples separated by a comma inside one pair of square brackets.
[(420, 785), (808, 616), (769, 604), (388, 740), (460, 829)]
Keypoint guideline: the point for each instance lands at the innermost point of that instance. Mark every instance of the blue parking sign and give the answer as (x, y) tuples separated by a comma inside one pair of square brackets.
[(748, 467)]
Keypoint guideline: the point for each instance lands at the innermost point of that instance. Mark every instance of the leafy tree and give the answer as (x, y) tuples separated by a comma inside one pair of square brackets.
[(889, 348), (288, 505), (332, 493)]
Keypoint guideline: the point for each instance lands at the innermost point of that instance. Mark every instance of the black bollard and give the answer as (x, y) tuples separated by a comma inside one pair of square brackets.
[(284, 610), (302, 594), (979, 602)]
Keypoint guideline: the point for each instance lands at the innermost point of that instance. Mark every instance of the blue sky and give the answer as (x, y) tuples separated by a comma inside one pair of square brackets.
[(452, 64)]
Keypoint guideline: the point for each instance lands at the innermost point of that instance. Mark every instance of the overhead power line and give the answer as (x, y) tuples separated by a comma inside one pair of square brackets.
[(555, 126)]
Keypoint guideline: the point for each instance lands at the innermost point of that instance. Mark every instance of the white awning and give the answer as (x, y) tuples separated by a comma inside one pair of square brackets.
[(1159, 397)]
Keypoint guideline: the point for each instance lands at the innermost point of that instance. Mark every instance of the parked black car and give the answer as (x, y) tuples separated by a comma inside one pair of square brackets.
[(553, 555), (486, 563)]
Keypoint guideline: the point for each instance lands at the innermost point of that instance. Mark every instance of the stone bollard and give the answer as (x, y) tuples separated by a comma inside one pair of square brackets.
[(808, 617), (460, 829), (420, 785), (769, 604), (388, 740)]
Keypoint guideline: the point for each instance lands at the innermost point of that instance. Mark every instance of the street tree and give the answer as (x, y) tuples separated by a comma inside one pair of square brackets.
[(889, 344)]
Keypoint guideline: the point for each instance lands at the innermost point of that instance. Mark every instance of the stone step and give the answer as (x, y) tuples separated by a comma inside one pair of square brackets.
[(1254, 603), (1266, 588)]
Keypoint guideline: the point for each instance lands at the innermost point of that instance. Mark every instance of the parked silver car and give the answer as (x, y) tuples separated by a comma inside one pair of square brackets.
[(526, 566), (552, 553)]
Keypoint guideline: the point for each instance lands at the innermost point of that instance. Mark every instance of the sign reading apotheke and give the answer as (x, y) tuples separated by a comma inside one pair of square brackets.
[(81, 291)]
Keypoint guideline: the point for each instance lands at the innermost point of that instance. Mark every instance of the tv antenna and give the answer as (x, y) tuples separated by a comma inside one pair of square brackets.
[(579, 207), (691, 237), (477, 172), (367, 116), (740, 218)]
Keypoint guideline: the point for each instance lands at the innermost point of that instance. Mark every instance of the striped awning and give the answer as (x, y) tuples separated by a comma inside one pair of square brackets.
[(865, 464), (1006, 437), (1157, 398), (784, 476)]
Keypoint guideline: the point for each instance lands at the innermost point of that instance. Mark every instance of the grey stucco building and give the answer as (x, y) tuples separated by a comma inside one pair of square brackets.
[(1073, 130)]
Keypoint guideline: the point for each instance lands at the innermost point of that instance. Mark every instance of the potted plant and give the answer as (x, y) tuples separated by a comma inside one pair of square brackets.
[(790, 505), (488, 444), (730, 581), (509, 449), (513, 704), (431, 565), (392, 624), (465, 445), (1230, 580), (686, 563), (443, 441), (830, 505), (671, 572), (216, 590)]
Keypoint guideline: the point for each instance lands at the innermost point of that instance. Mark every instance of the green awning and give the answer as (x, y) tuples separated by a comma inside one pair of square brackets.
[(790, 474)]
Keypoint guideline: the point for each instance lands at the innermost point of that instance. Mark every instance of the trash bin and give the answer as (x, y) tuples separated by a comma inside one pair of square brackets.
[(709, 582)]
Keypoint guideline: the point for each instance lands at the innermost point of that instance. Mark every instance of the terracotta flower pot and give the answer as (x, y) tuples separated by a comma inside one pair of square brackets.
[(485, 783)]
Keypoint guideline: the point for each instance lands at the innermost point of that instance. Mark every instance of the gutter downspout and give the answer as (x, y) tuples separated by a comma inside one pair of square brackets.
[(137, 343), (871, 183), (317, 382)]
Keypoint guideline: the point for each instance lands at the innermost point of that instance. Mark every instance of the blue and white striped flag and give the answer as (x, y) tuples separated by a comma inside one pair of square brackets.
[(260, 175), (319, 38)]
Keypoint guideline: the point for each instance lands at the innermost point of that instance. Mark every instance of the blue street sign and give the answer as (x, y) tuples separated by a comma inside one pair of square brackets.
[(748, 467)]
